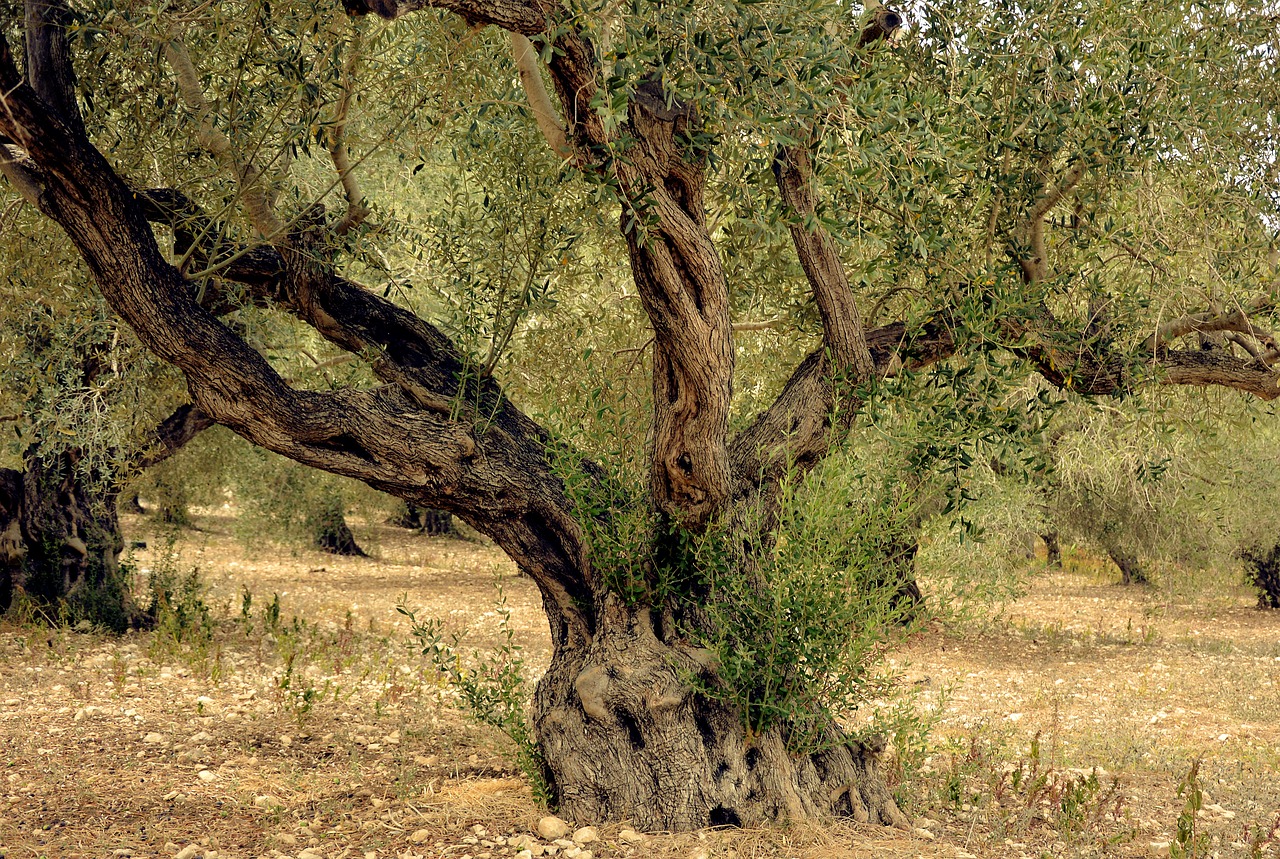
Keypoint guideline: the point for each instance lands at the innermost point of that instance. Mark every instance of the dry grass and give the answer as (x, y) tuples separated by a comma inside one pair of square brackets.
[(361, 751)]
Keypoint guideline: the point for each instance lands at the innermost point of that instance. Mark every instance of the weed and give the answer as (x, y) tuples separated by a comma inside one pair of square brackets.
[(494, 691), (1188, 843)]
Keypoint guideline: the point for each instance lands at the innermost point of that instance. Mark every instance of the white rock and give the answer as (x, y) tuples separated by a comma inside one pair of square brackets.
[(187, 852), (524, 854), (630, 836), (419, 836), (1160, 848), (552, 827), (153, 738), (206, 775), (924, 833), (586, 835), (265, 801), (572, 852)]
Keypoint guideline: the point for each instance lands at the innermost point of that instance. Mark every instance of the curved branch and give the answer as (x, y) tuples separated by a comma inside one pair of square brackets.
[(544, 112), (357, 211), (484, 460), (251, 180)]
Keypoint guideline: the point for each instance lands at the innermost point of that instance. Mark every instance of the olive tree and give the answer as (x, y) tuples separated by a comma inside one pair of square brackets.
[(1076, 189)]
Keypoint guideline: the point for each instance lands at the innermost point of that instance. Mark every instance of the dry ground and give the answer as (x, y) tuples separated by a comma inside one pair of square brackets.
[(1063, 727)]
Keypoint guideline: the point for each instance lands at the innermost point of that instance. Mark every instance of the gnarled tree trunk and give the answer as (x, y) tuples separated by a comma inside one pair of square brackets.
[(62, 544), (1131, 571), (626, 737)]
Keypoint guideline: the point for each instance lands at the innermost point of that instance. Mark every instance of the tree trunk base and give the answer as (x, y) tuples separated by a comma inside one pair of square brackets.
[(626, 738), (1264, 574)]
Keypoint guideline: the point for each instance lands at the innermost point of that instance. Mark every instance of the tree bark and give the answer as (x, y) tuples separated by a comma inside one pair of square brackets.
[(1052, 549), (1131, 571), (626, 737), (331, 532), (61, 542)]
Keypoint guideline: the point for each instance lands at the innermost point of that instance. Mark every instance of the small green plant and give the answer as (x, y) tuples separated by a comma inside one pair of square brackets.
[(492, 686), (176, 601), (1188, 843)]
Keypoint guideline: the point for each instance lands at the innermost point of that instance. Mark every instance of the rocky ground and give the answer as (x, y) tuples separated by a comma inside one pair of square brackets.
[(311, 725)]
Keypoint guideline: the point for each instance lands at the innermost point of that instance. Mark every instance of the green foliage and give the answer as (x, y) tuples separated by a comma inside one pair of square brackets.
[(492, 686), (797, 627), (1189, 843), (175, 597)]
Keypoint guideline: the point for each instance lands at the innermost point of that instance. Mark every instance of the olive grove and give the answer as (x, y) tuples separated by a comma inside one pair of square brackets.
[(917, 205)]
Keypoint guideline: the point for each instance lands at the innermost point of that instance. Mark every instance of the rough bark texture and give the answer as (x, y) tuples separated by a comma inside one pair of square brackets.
[(627, 737), (60, 544)]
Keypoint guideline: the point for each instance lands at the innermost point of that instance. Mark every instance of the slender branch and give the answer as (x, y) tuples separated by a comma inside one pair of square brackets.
[(357, 212), (251, 180), (1036, 267), (544, 112)]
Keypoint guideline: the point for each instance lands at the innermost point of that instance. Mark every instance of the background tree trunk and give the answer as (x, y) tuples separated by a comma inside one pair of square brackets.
[(435, 523), (61, 545), (331, 532), (1052, 550), (1263, 571), (1131, 571)]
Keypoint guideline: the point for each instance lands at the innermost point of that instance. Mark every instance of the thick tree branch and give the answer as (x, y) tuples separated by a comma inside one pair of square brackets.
[(172, 434), (842, 328), (49, 68), (483, 461)]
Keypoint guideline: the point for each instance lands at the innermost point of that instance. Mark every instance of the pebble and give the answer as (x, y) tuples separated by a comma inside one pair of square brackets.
[(630, 836), (187, 852), (925, 834), (420, 836), (586, 835), (265, 801), (1160, 848), (153, 738), (206, 775), (552, 828)]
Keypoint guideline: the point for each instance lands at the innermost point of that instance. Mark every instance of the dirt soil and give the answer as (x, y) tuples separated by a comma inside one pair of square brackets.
[(1067, 726)]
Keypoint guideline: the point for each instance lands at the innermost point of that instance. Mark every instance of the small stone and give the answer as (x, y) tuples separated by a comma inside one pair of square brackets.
[(287, 838), (524, 854), (630, 836), (170, 847), (924, 833), (265, 801), (187, 852), (479, 830), (586, 835), (925, 823), (1161, 848), (419, 836), (552, 828), (123, 851), (428, 761), (572, 852), (206, 775), (153, 738), (286, 740)]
